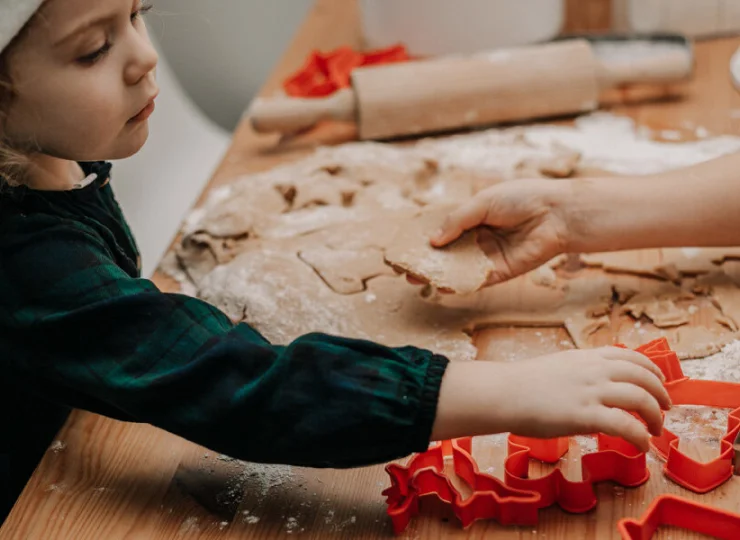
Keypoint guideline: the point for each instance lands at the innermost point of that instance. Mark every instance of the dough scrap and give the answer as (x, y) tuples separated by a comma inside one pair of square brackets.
[(563, 164), (661, 310), (667, 263), (462, 267)]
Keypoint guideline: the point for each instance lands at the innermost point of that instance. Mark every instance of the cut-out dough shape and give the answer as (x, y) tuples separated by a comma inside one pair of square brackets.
[(461, 267), (346, 270), (325, 190)]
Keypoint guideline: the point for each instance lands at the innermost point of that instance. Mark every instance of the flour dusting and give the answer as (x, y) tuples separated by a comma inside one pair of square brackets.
[(705, 424), (58, 446), (723, 366)]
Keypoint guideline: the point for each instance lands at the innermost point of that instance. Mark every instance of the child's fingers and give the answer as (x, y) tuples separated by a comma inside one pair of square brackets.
[(625, 372), (619, 423), (617, 353), (629, 397), (466, 217)]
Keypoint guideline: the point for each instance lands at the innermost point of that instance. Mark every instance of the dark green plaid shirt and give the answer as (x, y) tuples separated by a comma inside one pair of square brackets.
[(79, 327)]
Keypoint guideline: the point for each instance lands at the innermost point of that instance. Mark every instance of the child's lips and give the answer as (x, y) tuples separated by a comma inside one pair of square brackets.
[(144, 113)]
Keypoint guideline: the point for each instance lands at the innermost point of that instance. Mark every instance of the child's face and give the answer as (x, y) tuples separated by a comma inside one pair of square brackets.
[(81, 73)]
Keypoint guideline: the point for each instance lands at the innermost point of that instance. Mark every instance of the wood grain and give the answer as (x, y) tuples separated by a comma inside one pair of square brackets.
[(587, 15), (109, 480)]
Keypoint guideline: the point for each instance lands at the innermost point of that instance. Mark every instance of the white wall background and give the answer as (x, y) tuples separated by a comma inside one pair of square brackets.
[(222, 50)]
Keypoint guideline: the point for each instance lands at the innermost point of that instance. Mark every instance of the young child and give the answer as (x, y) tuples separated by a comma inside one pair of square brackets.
[(79, 328)]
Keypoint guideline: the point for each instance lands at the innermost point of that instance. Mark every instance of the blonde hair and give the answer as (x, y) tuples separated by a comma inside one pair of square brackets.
[(13, 164)]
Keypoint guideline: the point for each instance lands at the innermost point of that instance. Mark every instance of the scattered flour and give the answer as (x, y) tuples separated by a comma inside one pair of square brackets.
[(735, 68), (250, 519), (723, 366), (612, 143), (671, 134), (266, 477), (587, 444), (190, 525), (58, 446), (61, 487), (291, 524)]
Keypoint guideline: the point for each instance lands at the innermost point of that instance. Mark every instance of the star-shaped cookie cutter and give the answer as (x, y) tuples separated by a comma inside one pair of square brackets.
[(517, 499)]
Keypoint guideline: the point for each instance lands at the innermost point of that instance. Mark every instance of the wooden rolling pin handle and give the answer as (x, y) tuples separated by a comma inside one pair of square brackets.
[(291, 115), (666, 68)]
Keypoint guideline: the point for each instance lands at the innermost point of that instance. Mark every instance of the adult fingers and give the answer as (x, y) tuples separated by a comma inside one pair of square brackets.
[(464, 218)]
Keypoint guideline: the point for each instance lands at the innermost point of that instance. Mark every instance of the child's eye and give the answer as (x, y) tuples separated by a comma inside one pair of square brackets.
[(143, 9), (95, 56)]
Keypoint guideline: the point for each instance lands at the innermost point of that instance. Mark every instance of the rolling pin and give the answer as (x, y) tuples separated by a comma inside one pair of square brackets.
[(430, 96)]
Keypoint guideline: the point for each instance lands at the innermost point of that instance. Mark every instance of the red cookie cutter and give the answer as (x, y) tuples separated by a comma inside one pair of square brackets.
[(424, 475), (691, 474), (685, 514), (615, 460), (325, 73), (517, 500)]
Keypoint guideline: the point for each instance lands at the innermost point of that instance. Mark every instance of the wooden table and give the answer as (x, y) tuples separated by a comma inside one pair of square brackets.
[(105, 480)]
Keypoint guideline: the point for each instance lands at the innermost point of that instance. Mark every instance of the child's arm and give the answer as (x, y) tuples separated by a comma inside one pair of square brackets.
[(535, 220), (82, 332)]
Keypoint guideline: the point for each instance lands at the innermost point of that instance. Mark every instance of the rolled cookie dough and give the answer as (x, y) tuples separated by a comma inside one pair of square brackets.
[(461, 267)]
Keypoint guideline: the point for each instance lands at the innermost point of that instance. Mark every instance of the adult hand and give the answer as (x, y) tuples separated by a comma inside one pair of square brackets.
[(525, 221)]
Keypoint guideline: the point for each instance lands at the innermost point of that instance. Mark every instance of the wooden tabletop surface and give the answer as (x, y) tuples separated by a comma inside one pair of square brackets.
[(105, 480)]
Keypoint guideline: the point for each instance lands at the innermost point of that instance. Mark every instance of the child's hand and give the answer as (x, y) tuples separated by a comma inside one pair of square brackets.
[(527, 226), (566, 393), (589, 391)]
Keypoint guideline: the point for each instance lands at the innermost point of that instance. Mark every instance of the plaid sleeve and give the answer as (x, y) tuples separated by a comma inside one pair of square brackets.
[(80, 330)]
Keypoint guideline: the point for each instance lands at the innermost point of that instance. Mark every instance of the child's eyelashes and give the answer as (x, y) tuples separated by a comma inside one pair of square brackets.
[(143, 9), (95, 56)]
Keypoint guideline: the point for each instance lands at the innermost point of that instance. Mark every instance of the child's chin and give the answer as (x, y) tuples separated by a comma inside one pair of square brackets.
[(134, 142)]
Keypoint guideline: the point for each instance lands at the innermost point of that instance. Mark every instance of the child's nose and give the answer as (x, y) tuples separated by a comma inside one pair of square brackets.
[(143, 60)]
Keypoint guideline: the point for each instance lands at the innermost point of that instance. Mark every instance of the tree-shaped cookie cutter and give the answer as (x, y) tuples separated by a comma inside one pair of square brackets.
[(517, 499)]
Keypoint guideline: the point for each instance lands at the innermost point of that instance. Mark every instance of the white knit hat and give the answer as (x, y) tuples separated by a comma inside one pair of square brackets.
[(14, 14)]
